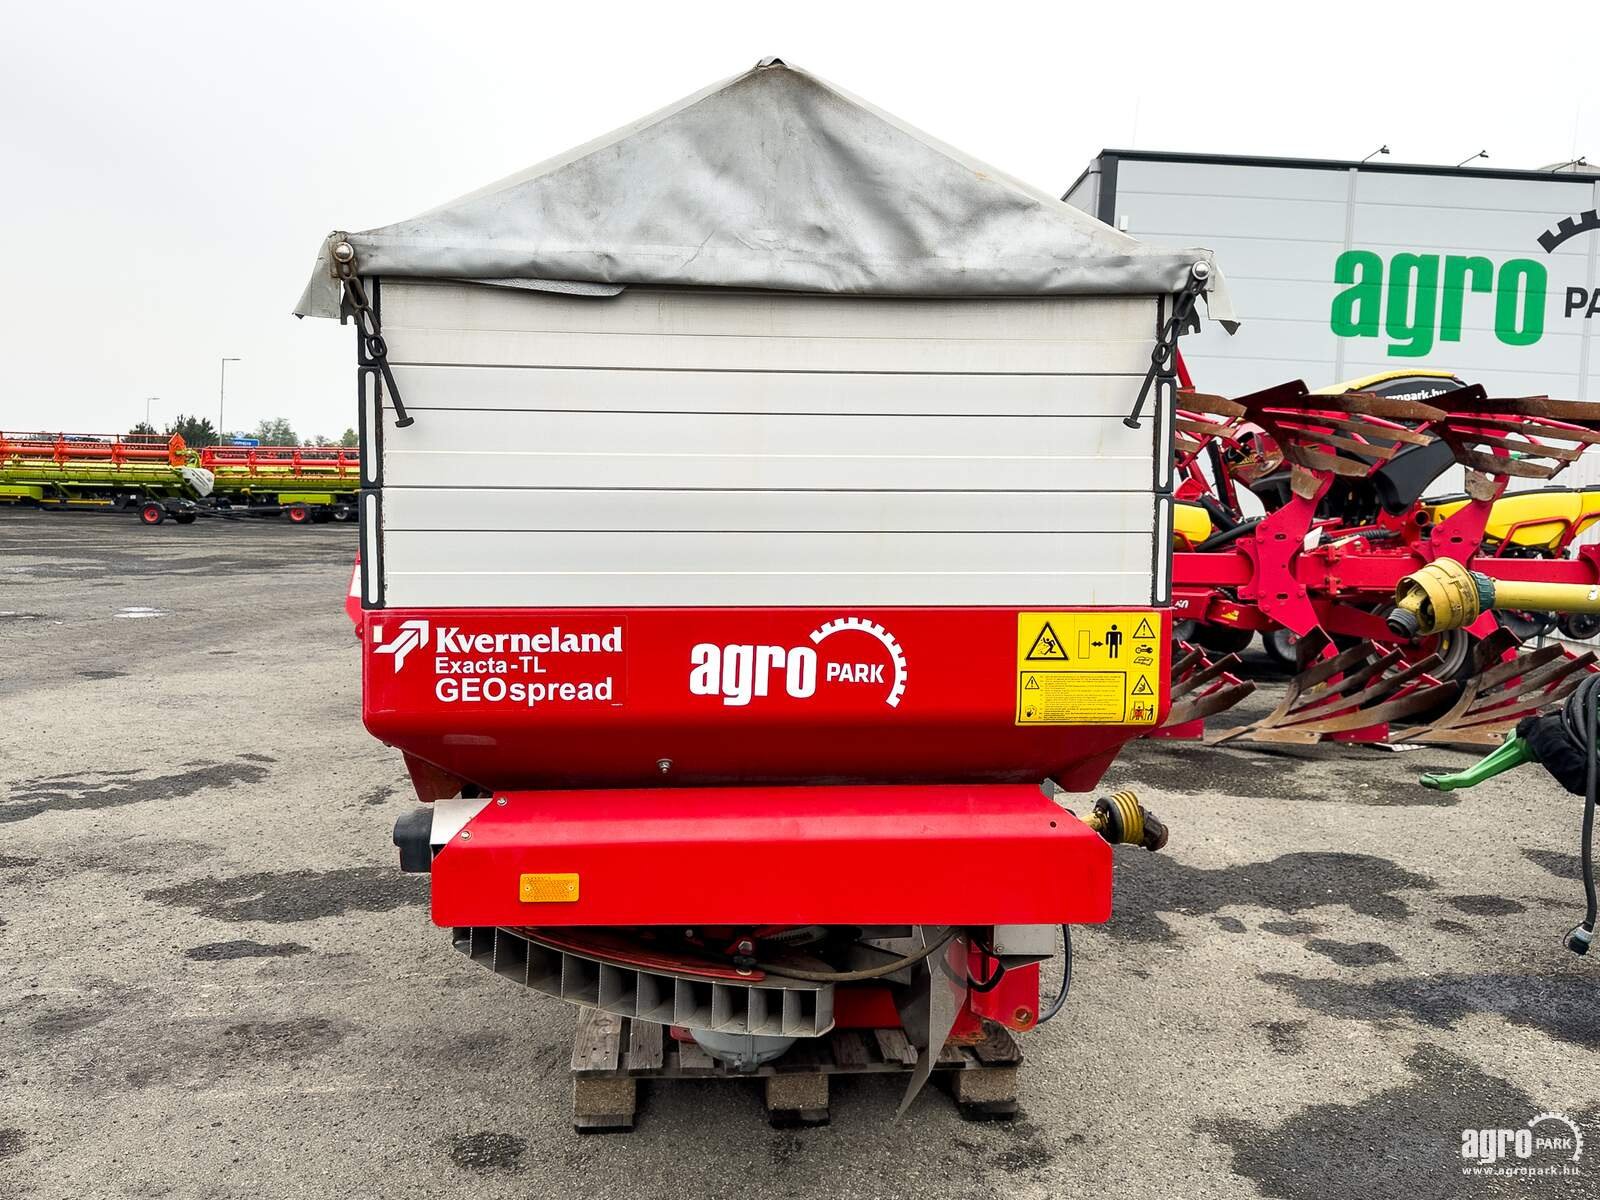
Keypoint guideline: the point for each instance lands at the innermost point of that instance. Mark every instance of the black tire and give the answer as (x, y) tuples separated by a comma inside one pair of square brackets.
[(297, 514), (152, 512), (1527, 626), (1282, 647), (344, 512), (185, 518), (1580, 627), (1222, 640), (1183, 631), (1457, 651)]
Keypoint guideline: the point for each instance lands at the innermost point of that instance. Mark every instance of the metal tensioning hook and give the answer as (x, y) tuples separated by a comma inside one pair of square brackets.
[(344, 268), (1167, 343)]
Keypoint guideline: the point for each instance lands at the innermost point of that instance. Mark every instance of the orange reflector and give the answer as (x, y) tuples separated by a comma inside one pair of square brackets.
[(549, 888)]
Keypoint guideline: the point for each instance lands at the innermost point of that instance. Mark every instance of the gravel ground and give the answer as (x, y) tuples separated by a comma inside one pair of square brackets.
[(216, 982)]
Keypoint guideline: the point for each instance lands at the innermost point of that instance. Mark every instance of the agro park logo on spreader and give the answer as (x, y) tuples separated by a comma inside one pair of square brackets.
[(741, 672)]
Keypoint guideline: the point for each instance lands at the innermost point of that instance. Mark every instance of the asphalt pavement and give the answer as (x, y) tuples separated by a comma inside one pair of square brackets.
[(216, 982)]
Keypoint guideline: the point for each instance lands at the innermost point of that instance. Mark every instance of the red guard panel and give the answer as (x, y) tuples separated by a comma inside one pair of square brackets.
[(919, 855), (709, 697)]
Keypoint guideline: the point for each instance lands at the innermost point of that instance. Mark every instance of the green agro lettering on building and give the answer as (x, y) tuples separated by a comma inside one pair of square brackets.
[(1418, 299)]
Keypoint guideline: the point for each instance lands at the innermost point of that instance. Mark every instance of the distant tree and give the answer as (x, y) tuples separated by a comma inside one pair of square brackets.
[(319, 441), (195, 431), (143, 429), (350, 439), (276, 432)]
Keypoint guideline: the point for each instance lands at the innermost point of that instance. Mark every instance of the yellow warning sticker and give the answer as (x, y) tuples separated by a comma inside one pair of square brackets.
[(1047, 646), (1088, 668)]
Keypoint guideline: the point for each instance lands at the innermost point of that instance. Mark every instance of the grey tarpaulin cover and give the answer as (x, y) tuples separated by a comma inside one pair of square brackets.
[(772, 179)]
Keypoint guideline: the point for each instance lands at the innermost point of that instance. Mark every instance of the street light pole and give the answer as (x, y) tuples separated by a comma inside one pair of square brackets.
[(222, 394)]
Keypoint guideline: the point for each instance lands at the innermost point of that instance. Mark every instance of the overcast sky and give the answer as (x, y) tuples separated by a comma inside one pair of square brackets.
[(169, 169)]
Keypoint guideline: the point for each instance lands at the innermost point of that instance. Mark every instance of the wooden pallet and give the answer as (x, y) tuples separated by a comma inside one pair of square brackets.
[(612, 1054)]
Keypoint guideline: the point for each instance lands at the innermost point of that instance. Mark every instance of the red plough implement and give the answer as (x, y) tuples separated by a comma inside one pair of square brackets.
[(1201, 688), (1342, 477), (1505, 687)]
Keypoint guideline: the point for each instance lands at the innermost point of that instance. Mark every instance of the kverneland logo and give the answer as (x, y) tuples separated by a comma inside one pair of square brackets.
[(450, 640), (410, 635)]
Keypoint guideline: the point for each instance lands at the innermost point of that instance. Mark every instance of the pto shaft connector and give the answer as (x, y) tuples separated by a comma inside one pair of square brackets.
[(1122, 820), (1442, 595), (1445, 595)]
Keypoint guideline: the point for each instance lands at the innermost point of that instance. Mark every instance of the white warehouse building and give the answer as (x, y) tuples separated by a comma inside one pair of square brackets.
[(1341, 270)]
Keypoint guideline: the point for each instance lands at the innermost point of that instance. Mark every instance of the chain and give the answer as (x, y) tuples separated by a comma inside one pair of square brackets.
[(1167, 343), (368, 327)]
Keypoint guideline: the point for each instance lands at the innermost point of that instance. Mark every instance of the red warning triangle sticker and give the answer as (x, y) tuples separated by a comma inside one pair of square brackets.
[(1142, 688)]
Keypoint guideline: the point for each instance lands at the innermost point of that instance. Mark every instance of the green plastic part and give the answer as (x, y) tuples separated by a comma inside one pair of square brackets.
[(1512, 754)]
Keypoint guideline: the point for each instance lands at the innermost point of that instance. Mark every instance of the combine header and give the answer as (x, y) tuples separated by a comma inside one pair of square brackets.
[(303, 483), (161, 477), (743, 601), (164, 478)]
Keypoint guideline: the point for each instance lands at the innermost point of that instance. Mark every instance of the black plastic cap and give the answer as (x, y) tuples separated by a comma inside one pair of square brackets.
[(1403, 623), (412, 834)]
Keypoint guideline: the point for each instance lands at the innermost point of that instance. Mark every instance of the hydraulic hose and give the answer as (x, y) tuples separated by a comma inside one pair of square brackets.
[(1217, 540), (1580, 718), (1566, 742), (1225, 520), (993, 981), (1066, 977)]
